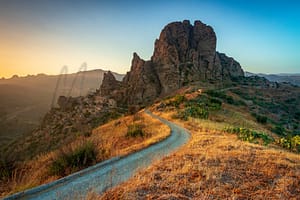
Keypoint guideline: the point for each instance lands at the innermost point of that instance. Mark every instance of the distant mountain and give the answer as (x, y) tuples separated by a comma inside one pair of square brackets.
[(290, 78), (25, 100)]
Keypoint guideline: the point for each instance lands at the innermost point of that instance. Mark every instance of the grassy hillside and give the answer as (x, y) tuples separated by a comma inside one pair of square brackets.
[(118, 137), (215, 165), (232, 153), (245, 142)]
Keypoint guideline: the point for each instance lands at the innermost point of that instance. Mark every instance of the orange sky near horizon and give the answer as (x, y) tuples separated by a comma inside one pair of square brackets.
[(32, 58), (34, 51)]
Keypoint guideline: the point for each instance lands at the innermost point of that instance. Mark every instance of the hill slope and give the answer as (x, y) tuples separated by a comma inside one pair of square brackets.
[(216, 164), (130, 133), (25, 100)]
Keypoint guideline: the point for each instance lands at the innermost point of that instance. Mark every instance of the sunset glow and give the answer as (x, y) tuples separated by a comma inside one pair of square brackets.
[(42, 36)]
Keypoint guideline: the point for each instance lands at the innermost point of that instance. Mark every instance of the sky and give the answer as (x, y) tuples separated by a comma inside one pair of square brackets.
[(42, 36)]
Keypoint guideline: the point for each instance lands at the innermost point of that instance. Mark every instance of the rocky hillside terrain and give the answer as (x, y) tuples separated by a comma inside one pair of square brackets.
[(25, 100)]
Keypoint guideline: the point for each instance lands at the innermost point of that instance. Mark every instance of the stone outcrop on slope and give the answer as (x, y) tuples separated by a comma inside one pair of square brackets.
[(231, 68), (183, 54), (109, 84)]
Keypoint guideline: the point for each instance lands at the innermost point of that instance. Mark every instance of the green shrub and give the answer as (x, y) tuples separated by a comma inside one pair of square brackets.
[(74, 159), (104, 117), (215, 93), (178, 99), (297, 115), (260, 118), (295, 142), (183, 115), (279, 130), (250, 135), (6, 169), (291, 143), (285, 143), (225, 97), (192, 111), (204, 102), (197, 112), (135, 130), (229, 100), (215, 104), (87, 133)]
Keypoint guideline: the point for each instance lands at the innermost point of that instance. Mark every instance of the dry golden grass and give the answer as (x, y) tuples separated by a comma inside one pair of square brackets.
[(114, 136), (110, 137), (215, 165)]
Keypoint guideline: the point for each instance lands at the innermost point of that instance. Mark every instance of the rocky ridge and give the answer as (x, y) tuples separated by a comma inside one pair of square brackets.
[(183, 54)]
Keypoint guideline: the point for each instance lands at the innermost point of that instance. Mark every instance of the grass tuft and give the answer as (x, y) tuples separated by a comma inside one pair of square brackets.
[(135, 130), (73, 159)]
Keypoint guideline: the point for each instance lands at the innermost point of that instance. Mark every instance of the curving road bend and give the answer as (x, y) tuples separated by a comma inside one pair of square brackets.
[(107, 174)]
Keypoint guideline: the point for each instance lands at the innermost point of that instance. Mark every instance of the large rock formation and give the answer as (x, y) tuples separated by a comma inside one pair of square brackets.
[(183, 54)]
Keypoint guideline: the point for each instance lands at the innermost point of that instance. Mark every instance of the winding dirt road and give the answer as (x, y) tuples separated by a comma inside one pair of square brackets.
[(107, 174)]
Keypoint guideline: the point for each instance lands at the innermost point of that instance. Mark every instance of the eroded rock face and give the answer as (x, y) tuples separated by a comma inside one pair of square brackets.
[(141, 83), (183, 54), (109, 84), (66, 103), (230, 67)]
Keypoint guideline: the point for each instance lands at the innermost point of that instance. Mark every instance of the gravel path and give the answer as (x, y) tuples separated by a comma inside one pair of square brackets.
[(107, 174)]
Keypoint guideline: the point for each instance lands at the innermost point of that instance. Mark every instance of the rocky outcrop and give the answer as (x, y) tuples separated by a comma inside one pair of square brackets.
[(141, 83), (79, 114), (109, 84), (230, 67), (183, 54), (66, 103)]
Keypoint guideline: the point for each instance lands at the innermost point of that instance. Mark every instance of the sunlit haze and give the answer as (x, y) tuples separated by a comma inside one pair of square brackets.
[(40, 36)]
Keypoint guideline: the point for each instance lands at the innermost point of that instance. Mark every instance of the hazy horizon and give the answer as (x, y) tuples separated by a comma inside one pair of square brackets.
[(92, 69), (40, 36), (59, 72)]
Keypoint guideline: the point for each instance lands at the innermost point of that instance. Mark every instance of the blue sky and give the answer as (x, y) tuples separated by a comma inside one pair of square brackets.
[(42, 35)]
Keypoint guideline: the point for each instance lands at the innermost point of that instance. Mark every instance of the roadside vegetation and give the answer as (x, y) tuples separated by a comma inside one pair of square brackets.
[(233, 153), (67, 161), (245, 115), (245, 142), (214, 165), (135, 130), (116, 138)]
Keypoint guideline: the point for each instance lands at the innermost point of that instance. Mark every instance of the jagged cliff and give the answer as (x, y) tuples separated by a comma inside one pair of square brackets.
[(183, 54)]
